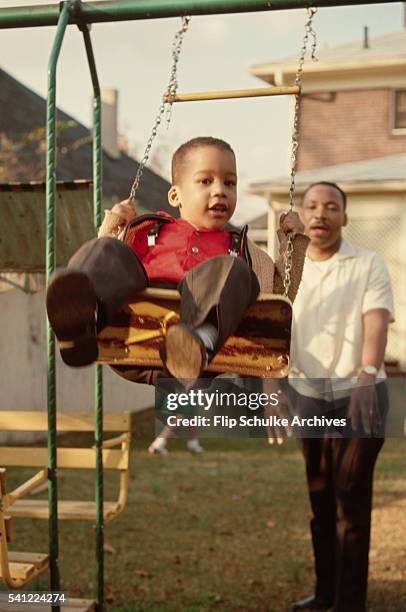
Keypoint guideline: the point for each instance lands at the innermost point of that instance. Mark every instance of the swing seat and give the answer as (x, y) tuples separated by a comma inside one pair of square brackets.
[(67, 510), (116, 451), (22, 567), (260, 346), (17, 568)]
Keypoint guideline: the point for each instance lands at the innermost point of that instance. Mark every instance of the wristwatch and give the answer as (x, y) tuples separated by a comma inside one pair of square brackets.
[(371, 370)]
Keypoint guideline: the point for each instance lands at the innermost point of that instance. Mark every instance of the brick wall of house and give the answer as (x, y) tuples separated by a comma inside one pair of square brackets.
[(346, 126)]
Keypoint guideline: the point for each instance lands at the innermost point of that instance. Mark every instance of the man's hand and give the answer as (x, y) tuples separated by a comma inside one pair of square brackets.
[(283, 410), (126, 211), (363, 409), (290, 222)]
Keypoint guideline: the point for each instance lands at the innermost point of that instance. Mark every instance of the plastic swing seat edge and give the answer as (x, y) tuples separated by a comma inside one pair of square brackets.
[(260, 346)]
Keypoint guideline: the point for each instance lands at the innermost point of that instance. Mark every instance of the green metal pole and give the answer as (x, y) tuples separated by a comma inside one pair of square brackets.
[(124, 10), (49, 268), (97, 210)]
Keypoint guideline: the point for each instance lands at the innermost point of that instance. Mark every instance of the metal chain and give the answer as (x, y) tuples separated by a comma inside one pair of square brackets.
[(173, 79), (164, 106), (295, 135)]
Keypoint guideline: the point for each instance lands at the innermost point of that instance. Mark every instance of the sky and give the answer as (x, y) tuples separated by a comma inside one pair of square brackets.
[(218, 50)]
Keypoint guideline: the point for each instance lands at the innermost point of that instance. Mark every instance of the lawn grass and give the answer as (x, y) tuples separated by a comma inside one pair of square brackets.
[(224, 531)]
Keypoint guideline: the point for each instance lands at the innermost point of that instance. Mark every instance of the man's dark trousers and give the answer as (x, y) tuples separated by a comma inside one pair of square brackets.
[(340, 479)]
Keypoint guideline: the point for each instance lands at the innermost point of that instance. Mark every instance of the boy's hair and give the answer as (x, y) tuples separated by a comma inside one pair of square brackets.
[(327, 184), (201, 141)]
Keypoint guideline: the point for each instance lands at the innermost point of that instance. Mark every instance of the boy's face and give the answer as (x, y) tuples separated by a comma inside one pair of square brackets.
[(323, 215), (206, 190)]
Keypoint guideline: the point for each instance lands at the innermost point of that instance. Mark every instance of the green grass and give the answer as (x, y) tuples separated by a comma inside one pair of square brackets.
[(224, 531)]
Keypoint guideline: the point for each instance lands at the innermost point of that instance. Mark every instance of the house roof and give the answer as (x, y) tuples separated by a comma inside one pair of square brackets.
[(382, 173), (389, 49), (22, 110)]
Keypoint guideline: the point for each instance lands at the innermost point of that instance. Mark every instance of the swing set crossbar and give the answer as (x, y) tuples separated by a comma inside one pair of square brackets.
[(232, 93), (126, 10)]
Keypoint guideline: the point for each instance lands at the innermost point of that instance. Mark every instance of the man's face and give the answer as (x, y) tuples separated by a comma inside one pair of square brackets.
[(206, 191), (323, 215)]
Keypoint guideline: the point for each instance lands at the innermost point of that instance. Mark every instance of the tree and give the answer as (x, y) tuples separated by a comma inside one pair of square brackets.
[(22, 157)]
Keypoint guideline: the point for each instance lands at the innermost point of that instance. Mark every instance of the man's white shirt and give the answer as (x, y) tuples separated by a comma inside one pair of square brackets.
[(327, 334)]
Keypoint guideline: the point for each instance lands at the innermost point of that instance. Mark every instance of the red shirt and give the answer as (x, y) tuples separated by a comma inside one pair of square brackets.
[(179, 247)]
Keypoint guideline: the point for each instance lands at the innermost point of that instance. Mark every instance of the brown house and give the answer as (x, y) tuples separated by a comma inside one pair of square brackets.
[(352, 130), (353, 106)]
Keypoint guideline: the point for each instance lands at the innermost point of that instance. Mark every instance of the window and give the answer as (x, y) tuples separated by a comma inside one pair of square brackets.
[(399, 115)]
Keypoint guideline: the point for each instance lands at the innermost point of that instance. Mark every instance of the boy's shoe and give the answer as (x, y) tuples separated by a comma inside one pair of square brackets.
[(71, 306), (194, 446), (184, 354), (158, 446)]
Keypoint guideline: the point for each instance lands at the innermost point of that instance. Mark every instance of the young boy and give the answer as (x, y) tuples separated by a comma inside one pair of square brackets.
[(194, 252)]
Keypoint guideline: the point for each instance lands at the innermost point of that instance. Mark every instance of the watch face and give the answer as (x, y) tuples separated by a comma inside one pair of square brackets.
[(370, 369)]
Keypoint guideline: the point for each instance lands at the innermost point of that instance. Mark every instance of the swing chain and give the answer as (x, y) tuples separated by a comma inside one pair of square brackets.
[(311, 11), (173, 80), (164, 106)]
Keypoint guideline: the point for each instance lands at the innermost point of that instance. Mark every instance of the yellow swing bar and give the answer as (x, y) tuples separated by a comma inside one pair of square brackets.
[(232, 93)]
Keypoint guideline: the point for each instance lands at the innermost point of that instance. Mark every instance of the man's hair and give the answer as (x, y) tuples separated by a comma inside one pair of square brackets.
[(181, 153), (327, 184)]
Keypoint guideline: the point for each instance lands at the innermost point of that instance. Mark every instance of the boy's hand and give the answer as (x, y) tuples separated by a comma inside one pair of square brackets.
[(290, 222), (126, 210)]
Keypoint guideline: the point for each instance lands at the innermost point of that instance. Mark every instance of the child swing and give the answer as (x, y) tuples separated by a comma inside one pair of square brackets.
[(260, 346)]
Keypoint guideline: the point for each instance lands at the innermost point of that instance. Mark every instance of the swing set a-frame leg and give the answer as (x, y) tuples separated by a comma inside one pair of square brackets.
[(65, 15)]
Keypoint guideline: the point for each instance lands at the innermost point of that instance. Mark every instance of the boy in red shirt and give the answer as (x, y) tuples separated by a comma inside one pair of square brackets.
[(219, 272)]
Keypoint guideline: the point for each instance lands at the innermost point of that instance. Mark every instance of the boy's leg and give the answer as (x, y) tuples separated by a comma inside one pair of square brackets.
[(215, 296), (114, 270), (102, 275)]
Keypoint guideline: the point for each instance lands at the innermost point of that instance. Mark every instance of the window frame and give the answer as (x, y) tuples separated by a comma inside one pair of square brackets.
[(396, 131)]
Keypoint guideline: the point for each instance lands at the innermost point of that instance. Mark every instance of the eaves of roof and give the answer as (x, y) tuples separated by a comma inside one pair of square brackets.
[(383, 52), (379, 175), (284, 75)]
